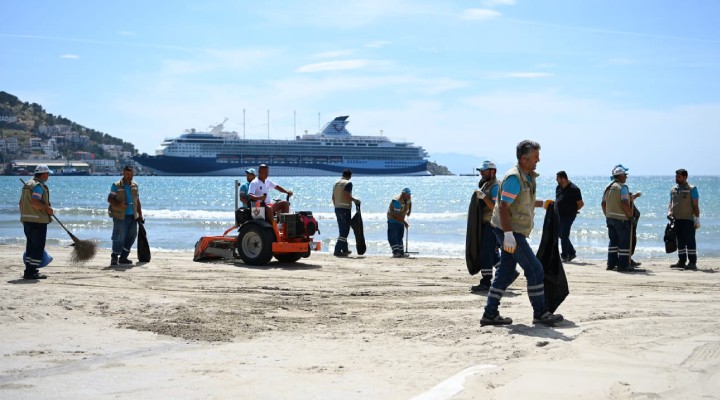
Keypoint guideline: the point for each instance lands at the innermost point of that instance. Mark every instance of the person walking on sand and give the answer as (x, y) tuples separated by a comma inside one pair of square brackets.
[(35, 212), (568, 202), (400, 208), (618, 212), (684, 207), (125, 210), (512, 221), (488, 256), (342, 199)]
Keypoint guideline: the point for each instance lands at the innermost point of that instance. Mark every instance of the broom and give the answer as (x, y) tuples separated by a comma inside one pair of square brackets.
[(83, 250)]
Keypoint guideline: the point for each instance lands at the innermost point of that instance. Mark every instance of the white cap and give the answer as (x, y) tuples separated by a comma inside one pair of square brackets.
[(41, 169), (620, 170), (487, 164)]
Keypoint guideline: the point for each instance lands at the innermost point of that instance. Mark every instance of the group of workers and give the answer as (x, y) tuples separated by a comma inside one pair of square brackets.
[(509, 213), (124, 208)]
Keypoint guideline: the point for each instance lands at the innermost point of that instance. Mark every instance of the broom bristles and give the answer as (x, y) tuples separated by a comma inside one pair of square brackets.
[(83, 250)]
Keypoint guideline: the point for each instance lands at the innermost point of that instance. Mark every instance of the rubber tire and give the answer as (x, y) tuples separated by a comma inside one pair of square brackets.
[(254, 244), (288, 257)]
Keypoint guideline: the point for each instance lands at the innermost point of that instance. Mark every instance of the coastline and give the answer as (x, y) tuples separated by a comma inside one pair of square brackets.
[(357, 328)]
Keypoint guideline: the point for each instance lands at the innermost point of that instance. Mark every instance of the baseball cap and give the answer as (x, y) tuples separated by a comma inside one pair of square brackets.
[(487, 164), (620, 170), (250, 171), (407, 191), (42, 168), (682, 171)]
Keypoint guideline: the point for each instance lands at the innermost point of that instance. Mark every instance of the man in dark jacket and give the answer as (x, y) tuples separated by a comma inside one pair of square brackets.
[(568, 200)]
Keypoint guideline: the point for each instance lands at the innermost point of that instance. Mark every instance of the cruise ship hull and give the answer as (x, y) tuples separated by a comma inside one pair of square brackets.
[(206, 166)]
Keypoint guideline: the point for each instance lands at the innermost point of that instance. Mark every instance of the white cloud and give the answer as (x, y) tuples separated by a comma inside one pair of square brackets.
[(70, 56), (334, 66), (335, 54), (480, 14), (126, 33)]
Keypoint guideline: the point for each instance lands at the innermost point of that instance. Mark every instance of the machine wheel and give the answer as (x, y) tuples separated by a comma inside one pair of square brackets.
[(254, 244), (288, 257)]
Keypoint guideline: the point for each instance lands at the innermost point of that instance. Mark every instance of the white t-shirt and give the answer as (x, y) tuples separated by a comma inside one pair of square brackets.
[(259, 188)]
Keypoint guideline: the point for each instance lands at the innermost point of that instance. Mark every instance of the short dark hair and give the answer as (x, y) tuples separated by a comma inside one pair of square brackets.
[(525, 147), (682, 171), (347, 173), (562, 174), (128, 168)]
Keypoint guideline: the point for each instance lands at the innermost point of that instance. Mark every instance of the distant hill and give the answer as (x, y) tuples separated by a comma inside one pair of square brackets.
[(53, 137)]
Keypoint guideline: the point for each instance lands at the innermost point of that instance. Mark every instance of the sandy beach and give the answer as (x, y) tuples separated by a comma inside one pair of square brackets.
[(358, 328)]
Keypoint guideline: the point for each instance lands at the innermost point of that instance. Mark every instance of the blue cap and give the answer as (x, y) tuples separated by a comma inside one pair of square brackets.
[(407, 191), (250, 171)]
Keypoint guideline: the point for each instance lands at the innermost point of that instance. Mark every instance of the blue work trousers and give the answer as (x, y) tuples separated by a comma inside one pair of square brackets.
[(488, 255), (396, 232), (123, 235), (505, 274), (35, 234), (343, 220), (685, 231), (619, 247)]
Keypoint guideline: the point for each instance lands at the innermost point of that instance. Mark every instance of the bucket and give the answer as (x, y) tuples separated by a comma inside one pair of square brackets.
[(258, 210)]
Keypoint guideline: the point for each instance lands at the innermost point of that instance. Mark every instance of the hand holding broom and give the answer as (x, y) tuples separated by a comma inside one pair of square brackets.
[(83, 250)]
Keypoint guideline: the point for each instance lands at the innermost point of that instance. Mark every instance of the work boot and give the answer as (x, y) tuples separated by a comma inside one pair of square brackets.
[(691, 266), (548, 319), (634, 263), (125, 261), (113, 260), (679, 264), (34, 276), (495, 320)]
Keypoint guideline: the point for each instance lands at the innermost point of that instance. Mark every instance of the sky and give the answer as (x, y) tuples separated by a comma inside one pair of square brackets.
[(595, 82)]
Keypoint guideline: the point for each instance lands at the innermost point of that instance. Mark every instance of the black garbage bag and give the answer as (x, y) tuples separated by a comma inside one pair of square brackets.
[(670, 237), (356, 223), (473, 236), (556, 284), (143, 248)]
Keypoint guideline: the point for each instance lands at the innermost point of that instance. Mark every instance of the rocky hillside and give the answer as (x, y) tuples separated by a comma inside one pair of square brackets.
[(23, 121)]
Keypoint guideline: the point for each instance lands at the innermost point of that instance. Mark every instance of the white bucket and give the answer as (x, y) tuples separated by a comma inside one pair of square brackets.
[(257, 210)]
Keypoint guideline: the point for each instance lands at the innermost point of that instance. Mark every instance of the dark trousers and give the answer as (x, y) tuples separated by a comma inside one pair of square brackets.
[(123, 235), (619, 246), (35, 234), (343, 220), (564, 235), (685, 231), (505, 275), (488, 255), (396, 232)]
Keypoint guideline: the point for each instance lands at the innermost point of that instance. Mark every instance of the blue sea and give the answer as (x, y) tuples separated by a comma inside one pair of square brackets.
[(179, 210)]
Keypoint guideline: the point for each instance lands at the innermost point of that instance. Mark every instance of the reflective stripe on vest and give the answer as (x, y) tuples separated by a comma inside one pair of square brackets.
[(522, 210)]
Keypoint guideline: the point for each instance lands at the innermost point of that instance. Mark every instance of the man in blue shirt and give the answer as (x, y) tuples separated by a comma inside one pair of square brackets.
[(125, 210), (245, 187), (617, 208), (512, 221), (35, 212), (488, 256), (684, 208), (400, 207)]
